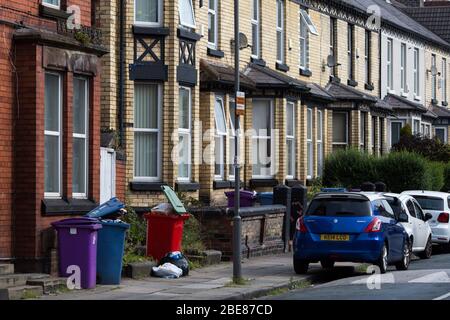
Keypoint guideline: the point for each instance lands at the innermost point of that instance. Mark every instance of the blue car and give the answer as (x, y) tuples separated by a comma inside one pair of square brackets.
[(350, 227)]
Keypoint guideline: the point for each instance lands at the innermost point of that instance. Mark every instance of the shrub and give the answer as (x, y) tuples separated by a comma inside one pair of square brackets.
[(446, 187), (137, 233), (432, 149), (435, 175), (406, 131), (349, 168), (403, 171), (192, 240)]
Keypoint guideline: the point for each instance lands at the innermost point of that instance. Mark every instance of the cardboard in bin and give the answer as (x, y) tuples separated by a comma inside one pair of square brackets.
[(176, 203)]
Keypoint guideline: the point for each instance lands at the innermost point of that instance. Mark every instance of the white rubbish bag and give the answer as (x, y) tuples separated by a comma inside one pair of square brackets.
[(167, 270)]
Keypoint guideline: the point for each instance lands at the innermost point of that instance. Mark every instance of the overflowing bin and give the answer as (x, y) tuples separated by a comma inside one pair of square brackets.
[(247, 198), (77, 248)]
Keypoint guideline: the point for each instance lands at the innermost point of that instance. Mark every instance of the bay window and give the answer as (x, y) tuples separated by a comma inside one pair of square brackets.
[(280, 31), (441, 134), (186, 12), (290, 140), (340, 130), (255, 29), (219, 138), (80, 158), (262, 139), (396, 127), (184, 134), (148, 12), (213, 38), (53, 135), (309, 143), (147, 132)]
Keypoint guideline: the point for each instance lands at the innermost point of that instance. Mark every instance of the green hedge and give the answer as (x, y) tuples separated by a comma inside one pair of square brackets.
[(446, 187), (398, 170)]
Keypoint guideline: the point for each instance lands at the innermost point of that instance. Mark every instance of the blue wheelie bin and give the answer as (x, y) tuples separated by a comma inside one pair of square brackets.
[(111, 242)]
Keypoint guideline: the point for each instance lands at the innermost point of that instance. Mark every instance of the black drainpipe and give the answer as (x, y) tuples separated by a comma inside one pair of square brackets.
[(121, 72)]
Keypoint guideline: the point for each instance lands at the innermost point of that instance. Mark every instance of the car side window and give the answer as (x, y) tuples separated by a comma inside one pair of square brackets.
[(387, 212), (419, 212), (410, 206)]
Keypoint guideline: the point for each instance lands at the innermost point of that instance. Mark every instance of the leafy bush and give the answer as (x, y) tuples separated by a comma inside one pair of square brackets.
[(349, 168), (406, 131), (314, 188), (192, 240), (446, 187), (137, 233), (435, 175), (403, 171), (432, 149)]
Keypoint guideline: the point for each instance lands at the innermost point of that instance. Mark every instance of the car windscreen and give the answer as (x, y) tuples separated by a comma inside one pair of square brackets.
[(430, 203), (329, 207)]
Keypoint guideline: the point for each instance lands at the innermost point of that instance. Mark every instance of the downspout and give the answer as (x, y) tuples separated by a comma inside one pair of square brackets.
[(121, 72)]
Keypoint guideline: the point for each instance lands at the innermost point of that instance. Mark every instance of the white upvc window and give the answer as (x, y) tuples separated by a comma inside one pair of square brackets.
[(309, 143), (389, 65), (307, 19), (340, 129), (362, 131), (148, 12), (280, 31), (80, 146), (416, 72), (396, 127), (416, 126), (53, 135), (220, 135), (213, 24), (303, 42), (444, 80), (403, 72), (320, 135), (290, 140), (433, 78), (428, 130), (441, 134), (422, 129), (184, 134), (255, 28), (262, 155), (56, 4), (232, 139), (186, 13), (147, 131)]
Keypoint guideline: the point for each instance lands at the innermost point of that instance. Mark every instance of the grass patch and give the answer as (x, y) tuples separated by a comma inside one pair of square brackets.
[(195, 264), (293, 285), (362, 268), (29, 295), (238, 282)]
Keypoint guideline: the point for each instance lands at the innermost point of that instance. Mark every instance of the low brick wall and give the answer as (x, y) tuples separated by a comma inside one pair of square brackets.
[(262, 230)]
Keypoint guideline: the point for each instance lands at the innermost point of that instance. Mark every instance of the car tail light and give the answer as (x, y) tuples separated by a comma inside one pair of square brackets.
[(300, 226), (443, 217), (374, 226)]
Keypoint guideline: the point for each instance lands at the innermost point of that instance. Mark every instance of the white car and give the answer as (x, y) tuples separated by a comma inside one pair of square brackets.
[(438, 205), (415, 221)]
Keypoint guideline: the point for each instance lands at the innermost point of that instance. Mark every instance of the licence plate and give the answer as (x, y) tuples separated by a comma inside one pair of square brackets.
[(335, 237)]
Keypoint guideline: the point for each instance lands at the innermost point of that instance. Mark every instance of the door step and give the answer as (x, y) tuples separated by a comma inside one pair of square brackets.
[(19, 279), (49, 285), (21, 293), (6, 269)]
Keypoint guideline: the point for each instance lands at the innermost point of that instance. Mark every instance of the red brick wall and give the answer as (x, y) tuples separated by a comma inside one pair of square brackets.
[(120, 180)]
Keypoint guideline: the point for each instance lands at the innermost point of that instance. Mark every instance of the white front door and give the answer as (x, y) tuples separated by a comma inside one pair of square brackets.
[(107, 174)]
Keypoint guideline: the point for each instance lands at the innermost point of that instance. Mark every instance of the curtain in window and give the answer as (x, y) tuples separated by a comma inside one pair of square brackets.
[(261, 143), (147, 10), (79, 160), (186, 13), (339, 128)]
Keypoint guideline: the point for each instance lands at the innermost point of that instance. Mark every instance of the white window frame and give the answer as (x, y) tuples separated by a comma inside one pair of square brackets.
[(309, 142), (413, 122), (86, 138), (255, 135), (150, 23), (291, 138), (444, 80), (214, 12), (222, 136), (187, 133), (402, 124), (307, 19), (445, 133), (303, 42), (433, 78), (320, 135), (183, 23), (255, 23), (346, 130), (50, 5), (403, 70), (389, 64), (428, 130), (416, 72), (57, 195), (280, 29), (159, 138)]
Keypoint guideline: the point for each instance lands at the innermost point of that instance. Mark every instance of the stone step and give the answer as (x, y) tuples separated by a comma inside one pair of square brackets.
[(49, 285), (19, 279), (21, 293), (6, 269)]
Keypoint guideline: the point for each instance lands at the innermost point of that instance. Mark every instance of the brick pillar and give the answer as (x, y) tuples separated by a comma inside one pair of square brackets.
[(247, 125), (94, 139), (206, 176), (303, 147), (368, 133), (383, 126), (328, 138), (314, 142), (377, 136), (279, 142), (355, 118), (67, 126), (298, 139)]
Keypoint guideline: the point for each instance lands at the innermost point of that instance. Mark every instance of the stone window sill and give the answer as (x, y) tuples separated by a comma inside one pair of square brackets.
[(62, 207), (146, 186)]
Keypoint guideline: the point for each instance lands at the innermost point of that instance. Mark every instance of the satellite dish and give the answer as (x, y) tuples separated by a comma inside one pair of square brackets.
[(243, 41), (434, 71), (331, 61)]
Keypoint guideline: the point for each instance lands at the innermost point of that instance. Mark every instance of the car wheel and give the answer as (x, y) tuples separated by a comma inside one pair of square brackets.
[(327, 264), (406, 260), (301, 266), (383, 260), (426, 254)]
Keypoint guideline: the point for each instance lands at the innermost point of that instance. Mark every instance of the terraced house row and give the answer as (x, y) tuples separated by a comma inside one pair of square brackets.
[(143, 96)]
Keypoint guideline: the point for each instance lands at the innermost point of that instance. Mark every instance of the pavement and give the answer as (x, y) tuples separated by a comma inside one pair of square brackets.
[(424, 280), (266, 275)]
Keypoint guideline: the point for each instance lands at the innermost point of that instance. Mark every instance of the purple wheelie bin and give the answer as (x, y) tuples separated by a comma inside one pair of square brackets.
[(77, 247)]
